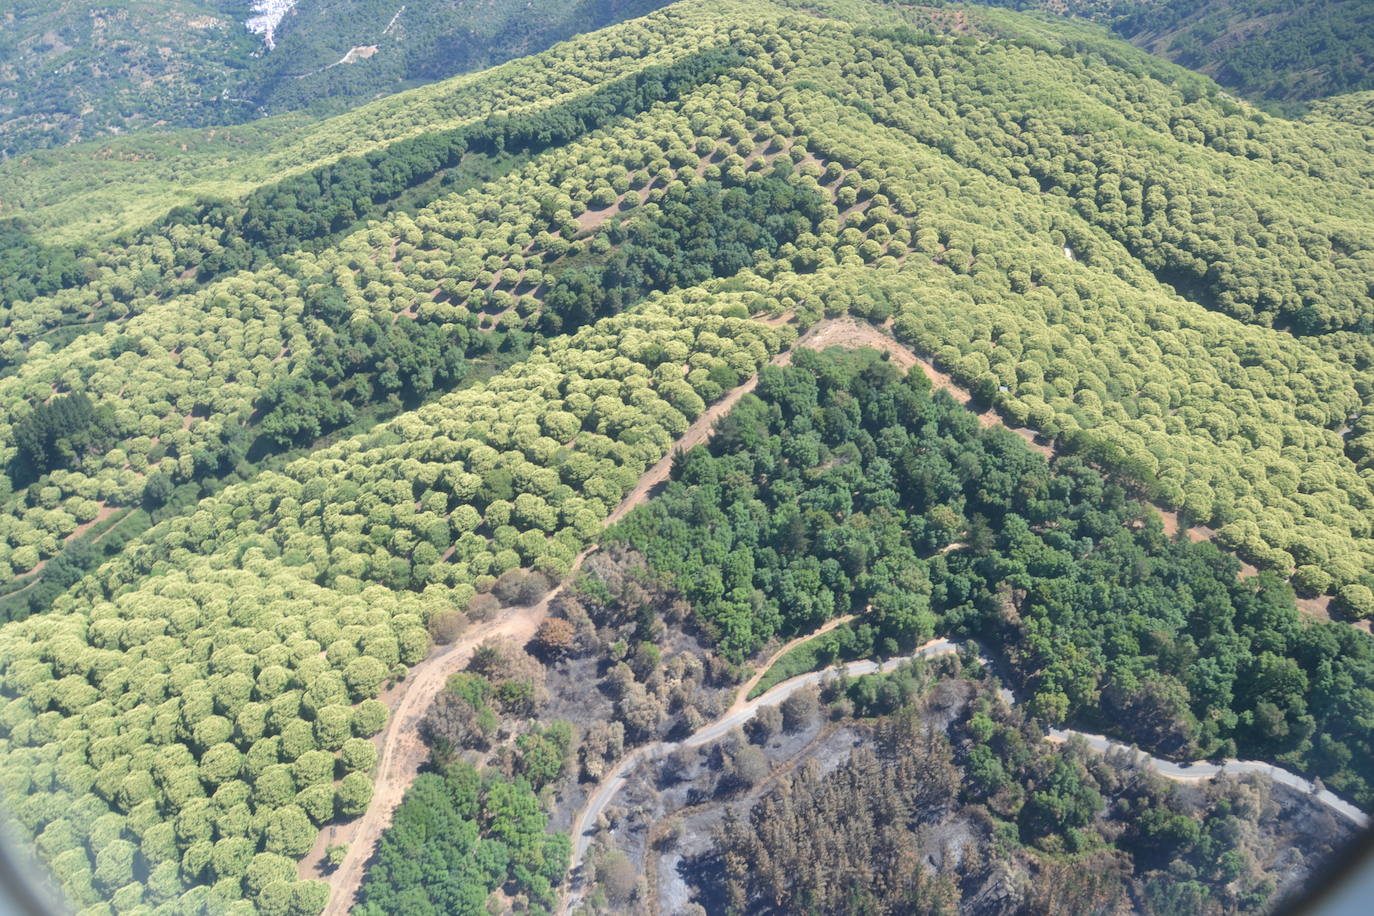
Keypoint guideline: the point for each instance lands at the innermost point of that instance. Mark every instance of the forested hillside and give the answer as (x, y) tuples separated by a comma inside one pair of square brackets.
[(841, 492), (1263, 49), (819, 501), (70, 73), (269, 428), (74, 71), (98, 190)]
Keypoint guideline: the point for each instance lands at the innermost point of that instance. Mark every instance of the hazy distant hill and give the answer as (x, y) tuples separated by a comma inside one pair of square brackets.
[(1265, 49), (70, 72), (333, 48)]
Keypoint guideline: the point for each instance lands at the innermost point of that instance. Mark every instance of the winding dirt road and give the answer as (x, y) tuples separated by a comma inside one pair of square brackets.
[(403, 751)]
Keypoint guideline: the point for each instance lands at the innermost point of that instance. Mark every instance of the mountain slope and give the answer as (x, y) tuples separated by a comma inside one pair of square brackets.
[(1130, 189), (1263, 49), (70, 73), (96, 190), (438, 338), (140, 64)]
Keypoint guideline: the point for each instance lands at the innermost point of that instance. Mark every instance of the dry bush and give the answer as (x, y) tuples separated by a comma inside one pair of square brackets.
[(446, 626), (555, 639), (520, 587), (483, 607)]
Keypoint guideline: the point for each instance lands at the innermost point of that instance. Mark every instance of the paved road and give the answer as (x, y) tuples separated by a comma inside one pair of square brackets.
[(1197, 771), (583, 826)]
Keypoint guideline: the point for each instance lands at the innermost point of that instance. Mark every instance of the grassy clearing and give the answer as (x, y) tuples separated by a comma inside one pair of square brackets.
[(812, 655)]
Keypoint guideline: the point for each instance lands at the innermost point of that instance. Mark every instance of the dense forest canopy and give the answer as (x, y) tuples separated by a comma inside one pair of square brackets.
[(457, 838), (835, 490), (282, 408), (1269, 50)]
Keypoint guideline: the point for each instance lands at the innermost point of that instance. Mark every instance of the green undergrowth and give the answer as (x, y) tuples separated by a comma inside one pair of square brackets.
[(842, 644), (832, 490)]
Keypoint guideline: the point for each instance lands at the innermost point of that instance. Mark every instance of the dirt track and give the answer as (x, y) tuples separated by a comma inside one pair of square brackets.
[(1188, 771), (403, 752), (742, 696)]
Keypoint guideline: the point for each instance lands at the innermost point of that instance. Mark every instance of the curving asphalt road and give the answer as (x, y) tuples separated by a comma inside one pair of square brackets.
[(1200, 770), (1196, 771), (613, 781)]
